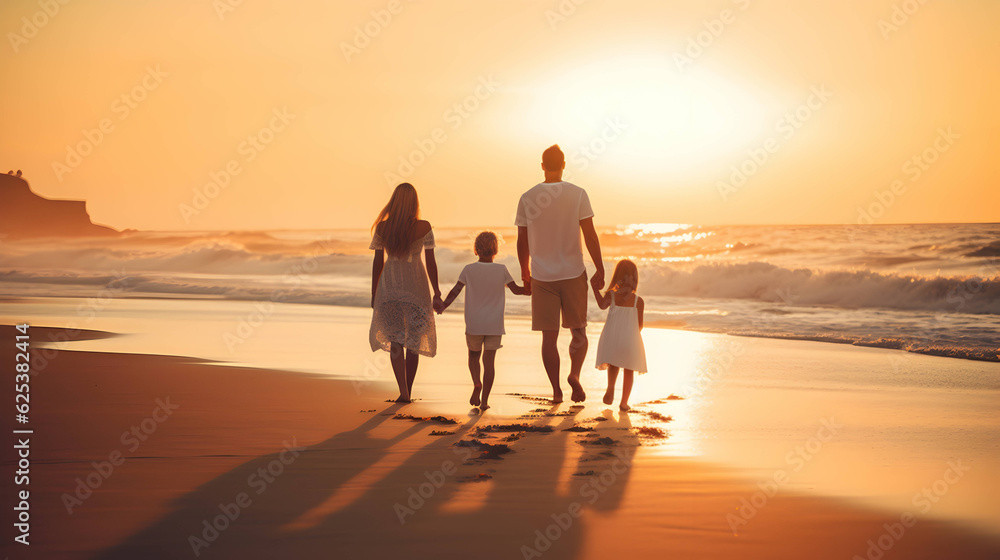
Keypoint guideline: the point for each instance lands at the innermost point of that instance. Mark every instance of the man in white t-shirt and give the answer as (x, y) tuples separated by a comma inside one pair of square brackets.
[(484, 309), (550, 218)]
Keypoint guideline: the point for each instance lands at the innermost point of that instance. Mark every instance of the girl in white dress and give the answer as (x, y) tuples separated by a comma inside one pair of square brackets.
[(403, 311), (621, 345)]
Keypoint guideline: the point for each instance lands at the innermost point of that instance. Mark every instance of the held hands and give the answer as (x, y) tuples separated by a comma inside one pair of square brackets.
[(597, 280), (526, 280), (439, 305)]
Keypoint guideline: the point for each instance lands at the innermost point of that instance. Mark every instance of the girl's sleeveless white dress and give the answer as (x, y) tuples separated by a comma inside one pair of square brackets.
[(621, 341)]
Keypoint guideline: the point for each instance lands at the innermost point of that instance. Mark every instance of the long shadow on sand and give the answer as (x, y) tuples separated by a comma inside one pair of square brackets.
[(357, 496)]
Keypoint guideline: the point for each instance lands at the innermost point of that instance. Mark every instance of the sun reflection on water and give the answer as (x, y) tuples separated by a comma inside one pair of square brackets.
[(641, 230)]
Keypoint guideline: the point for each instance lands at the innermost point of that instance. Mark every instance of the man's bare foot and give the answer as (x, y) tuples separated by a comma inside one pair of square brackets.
[(474, 400), (624, 407), (557, 396), (609, 397), (402, 399), (484, 407), (578, 393)]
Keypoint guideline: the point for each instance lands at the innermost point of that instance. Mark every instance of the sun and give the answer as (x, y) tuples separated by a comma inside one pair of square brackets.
[(645, 115)]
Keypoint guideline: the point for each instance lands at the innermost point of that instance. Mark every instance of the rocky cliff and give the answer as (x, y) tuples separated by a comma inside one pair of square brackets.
[(26, 214)]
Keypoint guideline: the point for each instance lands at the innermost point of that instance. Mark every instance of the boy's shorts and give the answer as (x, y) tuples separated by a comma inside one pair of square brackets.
[(477, 342), (548, 299)]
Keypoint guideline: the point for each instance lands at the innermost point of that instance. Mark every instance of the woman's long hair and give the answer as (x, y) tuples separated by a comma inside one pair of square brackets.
[(624, 268), (399, 215)]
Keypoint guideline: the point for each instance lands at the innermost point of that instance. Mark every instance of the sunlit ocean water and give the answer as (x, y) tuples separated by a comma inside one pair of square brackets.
[(931, 288)]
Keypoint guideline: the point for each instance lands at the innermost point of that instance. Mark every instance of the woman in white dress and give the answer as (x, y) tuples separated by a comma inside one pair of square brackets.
[(620, 346), (403, 311)]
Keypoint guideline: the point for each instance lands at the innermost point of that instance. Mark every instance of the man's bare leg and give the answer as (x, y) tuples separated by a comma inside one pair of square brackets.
[(550, 359), (577, 354)]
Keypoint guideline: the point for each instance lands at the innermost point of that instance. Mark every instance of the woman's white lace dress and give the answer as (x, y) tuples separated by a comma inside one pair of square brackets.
[(403, 312)]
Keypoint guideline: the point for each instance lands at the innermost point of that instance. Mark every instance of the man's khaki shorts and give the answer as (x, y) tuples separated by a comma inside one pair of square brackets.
[(567, 296), (477, 342)]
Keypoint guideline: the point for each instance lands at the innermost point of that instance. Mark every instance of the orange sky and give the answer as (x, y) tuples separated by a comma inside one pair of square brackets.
[(654, 123)]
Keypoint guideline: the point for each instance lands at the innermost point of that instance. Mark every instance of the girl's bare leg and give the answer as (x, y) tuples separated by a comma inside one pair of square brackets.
[(489, 372), (477, 385), (609, 395), (626, 389), (399, 370), (412, 359)]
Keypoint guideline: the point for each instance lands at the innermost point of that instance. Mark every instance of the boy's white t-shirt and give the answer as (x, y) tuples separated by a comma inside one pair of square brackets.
[(552, 214), (485, 291)]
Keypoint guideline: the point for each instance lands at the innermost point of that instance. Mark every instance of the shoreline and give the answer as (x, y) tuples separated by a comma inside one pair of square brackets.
[(959, 353)]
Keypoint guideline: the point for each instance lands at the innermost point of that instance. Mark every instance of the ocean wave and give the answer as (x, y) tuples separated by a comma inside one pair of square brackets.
[(991, 250), (844, 289), (231, 273), (978, 353), (347, 292)]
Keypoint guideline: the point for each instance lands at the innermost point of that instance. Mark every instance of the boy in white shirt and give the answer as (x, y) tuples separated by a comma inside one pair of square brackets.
[(484, 309)]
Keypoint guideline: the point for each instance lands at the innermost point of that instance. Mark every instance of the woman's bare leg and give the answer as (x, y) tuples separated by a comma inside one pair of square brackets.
[(399, 370), (609, 395), (412, 359)]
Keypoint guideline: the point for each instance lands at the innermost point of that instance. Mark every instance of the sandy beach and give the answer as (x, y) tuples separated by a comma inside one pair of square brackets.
[(300, 464)]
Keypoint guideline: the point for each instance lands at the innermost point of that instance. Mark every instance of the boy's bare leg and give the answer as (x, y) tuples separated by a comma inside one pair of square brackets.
[(489, 372), (609, 396), (550, 359), (577, 354), (626, 389), (477, 385)]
